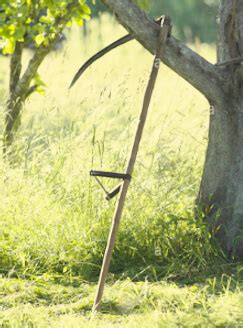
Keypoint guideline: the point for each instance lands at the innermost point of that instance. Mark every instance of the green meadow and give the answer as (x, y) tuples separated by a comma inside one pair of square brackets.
[(166, 271)]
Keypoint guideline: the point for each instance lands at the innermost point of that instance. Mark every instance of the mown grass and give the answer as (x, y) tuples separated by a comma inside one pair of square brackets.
[(54, 220), (215, 303)]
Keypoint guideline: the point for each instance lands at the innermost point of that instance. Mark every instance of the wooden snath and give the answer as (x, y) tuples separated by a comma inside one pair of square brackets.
[(164, 32), (165, 28)]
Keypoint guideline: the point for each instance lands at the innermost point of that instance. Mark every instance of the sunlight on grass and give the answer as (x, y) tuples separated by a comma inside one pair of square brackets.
[(54, 219), (52, 213), (127, 304)]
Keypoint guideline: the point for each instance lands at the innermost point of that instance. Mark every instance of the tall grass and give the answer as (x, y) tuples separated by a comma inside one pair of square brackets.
[(53, 217)]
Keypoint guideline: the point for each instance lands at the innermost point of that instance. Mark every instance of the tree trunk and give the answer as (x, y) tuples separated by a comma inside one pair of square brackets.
[(221, 190), (13, 105), (20, 89), (12, 120)]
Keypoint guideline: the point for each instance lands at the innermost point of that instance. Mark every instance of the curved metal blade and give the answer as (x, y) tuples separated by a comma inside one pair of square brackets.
[(98, 55)]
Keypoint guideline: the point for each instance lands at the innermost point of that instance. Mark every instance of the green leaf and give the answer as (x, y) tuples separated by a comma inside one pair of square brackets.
[(20, 32), (48, 19), (39, 83), (9, 46), (28, 20), (41, 90), (39, 39), (86, 9), (11, 29), (79, 20), (38, 80)]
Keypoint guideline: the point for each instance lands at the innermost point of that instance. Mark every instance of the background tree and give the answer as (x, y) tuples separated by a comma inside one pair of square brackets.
[(98, 7), (221, 191), (23, 22), (189, 16)]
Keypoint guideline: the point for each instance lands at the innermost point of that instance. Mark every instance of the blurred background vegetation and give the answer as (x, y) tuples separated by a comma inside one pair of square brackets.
[(54, 220), (191, 19)]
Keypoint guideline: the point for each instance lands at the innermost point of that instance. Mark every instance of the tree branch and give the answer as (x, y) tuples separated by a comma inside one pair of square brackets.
[(34, 63), (15, 66), (204, 76), (31, 90), (232, 61)]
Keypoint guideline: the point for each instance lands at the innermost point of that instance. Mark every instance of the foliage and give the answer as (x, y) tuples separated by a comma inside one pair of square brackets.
[(98, 7), (142, 3), (191, 18), (38, 21)]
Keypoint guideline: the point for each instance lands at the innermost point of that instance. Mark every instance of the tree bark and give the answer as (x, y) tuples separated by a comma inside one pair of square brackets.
[(15, 66), (221, 191), (19, 89), (12, 106)]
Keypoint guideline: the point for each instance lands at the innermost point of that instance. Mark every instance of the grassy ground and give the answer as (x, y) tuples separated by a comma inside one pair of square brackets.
[(166, 270), (126, 304)]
